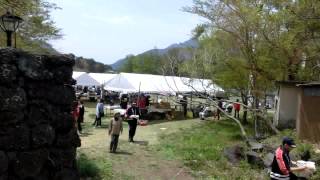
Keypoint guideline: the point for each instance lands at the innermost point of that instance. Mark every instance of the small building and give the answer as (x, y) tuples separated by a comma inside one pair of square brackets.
[(308, 118), (286, 104)]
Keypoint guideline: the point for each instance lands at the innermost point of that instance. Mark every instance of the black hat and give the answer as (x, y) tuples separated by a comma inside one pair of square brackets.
[(289, 141)]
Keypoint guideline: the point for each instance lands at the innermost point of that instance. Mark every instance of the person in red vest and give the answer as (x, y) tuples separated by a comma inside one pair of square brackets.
[(236, 107), (281, 167)]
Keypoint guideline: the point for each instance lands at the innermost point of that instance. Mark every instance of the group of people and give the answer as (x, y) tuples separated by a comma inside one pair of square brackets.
[(205, 111), (116, 128)]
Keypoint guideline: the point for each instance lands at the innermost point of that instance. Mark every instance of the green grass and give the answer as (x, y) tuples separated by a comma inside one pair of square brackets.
[(201, 149)]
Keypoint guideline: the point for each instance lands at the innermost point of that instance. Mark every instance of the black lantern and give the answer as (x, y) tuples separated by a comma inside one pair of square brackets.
[(9, 24)]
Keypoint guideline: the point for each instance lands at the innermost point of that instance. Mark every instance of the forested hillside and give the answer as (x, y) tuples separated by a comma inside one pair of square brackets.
[(90, 65), (166, 61)]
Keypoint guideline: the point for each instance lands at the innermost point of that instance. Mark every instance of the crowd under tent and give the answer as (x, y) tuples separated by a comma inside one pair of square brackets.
[(102, 78), (83, 79)]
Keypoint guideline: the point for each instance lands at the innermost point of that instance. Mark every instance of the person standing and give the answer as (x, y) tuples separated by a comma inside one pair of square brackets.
[(99, 113), (220, 108), (133, 115), (148, 100), (142, 105), (184, 103), (75, 115), (281, 165), (81, 115), (115, 128), (236, 107), (124, 101)]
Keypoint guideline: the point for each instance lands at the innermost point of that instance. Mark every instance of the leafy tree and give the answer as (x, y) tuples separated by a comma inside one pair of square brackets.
[(37, 27), (247, 45), (128, 65)]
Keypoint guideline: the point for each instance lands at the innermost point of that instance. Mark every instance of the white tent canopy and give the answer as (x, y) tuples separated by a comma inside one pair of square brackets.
[(83, 79), (102, 78), (131, 82), (76, 74)]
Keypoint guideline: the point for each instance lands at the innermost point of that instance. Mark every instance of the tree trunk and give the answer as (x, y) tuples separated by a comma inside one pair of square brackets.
[(255, 107)]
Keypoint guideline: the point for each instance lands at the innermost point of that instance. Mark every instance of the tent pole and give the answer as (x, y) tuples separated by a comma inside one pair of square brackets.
[(191, 105), (139, 97), (139, 92)]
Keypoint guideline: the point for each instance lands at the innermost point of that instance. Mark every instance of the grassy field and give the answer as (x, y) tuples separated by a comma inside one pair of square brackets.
[(201, 148), (184, 149)]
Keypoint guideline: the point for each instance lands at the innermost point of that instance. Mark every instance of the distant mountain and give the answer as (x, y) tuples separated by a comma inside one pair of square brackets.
[(191, 43), (118, 64)]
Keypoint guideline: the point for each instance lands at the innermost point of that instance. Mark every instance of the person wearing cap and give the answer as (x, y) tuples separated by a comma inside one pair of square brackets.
[(281, 164), (115, 128), (133, 115)]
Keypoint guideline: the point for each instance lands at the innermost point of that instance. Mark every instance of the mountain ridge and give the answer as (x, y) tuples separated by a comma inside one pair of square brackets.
[(191, 43)]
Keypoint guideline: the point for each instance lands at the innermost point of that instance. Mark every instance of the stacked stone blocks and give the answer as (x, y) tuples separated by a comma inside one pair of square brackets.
[(38, 139)]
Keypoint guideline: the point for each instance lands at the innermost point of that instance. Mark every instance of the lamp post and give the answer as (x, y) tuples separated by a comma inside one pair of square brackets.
[(9, 24)]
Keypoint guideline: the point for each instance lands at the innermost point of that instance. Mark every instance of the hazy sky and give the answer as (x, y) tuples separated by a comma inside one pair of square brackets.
[(108, 30)]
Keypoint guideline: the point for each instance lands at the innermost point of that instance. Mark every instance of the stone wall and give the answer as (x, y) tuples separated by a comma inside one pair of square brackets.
[(38, 139)]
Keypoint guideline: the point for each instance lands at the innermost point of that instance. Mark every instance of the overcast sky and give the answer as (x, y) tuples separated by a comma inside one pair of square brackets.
[(108, 30)]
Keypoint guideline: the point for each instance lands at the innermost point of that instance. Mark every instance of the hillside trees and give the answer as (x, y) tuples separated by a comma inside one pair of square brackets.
[(90, 65), (147, 63)]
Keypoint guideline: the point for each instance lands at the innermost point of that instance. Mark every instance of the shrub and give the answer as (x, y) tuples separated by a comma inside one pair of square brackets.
[(87, 167)]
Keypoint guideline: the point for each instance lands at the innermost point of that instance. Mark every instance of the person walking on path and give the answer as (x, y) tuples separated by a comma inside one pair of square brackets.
[(133, 115), (99, 113), (281, 164), (236, 107), (115, 128)]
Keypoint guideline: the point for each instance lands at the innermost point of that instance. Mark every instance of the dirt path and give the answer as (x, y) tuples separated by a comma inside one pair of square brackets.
[(137, 160)]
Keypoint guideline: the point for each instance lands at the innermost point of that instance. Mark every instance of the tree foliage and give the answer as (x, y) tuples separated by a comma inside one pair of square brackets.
[(248, 45), (37, 27)]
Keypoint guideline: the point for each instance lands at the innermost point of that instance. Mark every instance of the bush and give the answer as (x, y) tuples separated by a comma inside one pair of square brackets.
[(87, 168)]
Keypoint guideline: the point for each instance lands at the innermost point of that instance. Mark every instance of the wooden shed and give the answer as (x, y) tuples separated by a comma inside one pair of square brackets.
[(308, 114), (286, 103)]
